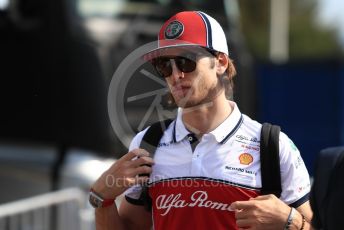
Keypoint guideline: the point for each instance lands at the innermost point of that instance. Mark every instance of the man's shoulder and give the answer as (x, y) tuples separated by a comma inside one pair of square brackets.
[(250, 125), (136, 141)]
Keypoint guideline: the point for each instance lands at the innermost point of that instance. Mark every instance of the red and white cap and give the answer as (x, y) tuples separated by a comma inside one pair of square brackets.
[(191, 28)]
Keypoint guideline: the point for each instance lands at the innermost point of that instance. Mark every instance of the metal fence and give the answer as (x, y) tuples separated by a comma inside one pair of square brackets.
[(61, 210)]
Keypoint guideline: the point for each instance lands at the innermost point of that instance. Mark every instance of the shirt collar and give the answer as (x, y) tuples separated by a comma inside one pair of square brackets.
[(180, 132), (222, 133)]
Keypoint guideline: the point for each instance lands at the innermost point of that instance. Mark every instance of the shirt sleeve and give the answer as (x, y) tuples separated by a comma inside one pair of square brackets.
[(294, 174), (133, 194)]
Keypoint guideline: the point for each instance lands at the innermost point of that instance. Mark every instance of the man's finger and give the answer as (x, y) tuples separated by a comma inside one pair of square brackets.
[(144, 169), (142, 161), (263, 197), (134, 153), (141, 152), (237, 205)]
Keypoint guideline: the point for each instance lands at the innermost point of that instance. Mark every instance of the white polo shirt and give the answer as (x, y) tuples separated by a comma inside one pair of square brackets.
[(195, 188)]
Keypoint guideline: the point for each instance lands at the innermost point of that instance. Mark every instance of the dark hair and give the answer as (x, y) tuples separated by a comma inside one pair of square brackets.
[(227, 79), (227, 76)]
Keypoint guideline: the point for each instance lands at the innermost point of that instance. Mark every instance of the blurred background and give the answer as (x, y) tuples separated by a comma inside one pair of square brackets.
[(57, 58)]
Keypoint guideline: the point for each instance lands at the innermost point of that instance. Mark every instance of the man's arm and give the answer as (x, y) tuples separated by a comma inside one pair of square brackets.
[(130, 217), (306, 211), (123, 174), (269, 212)]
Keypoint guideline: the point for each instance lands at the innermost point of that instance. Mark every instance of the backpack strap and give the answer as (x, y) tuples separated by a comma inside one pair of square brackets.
[(151, 139), (269, 160), (150, 142)]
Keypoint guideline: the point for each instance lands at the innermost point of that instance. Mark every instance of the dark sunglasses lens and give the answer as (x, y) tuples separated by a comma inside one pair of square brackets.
[(185, 65), (163, 66)]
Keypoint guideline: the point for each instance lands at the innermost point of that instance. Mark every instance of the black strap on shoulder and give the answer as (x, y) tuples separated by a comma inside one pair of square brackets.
[(150, 142), (269, 160), (153, 135)]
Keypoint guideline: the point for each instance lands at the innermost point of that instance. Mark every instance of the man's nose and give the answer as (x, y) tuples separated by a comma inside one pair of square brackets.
[(176, 73)]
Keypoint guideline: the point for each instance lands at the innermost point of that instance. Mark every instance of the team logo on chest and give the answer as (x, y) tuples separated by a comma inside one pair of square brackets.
[(174, 30), (245, 158)]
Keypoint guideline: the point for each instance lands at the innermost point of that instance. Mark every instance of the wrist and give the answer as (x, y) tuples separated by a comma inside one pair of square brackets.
[(97, 201), (104, 189), (299, 221), (290, 219)]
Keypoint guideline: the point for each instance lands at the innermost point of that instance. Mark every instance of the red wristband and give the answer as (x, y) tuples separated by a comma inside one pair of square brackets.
[(99, 202)]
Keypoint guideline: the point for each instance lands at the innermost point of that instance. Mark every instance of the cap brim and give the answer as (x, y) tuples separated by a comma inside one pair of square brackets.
[(159, 51)]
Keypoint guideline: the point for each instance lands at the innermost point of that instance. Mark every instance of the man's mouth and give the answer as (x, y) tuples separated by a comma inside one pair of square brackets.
[(181, 89)]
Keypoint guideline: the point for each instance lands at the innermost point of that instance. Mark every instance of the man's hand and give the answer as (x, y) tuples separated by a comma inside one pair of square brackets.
[(124, 173), (263, 212)]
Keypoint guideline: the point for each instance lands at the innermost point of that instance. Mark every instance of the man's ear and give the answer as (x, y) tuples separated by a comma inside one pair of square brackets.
[(222, 62)]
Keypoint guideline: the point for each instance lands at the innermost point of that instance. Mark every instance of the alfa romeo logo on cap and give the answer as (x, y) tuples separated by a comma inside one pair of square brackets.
[(174, 30)]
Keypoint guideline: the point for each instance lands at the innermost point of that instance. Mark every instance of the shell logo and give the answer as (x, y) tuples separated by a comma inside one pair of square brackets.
[(245, 158)]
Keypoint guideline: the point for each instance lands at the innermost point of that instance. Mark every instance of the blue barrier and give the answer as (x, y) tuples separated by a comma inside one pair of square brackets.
[(307, 100), (341, 96)]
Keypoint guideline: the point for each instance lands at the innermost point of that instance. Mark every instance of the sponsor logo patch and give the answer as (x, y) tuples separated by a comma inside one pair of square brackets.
[(255, 148), (293, 146), (247, 140), (162, 144), (245, 158), (241, 170)]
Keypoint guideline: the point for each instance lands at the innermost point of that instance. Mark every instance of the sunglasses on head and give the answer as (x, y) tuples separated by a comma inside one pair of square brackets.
[(185, 62)]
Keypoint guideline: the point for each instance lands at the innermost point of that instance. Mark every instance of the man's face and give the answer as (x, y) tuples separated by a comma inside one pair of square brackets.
[(190, 74)]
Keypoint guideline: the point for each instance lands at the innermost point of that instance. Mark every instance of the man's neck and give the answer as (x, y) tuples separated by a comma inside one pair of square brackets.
[(206, 117)]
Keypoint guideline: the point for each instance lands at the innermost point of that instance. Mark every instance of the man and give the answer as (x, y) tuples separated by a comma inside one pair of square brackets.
[(206, 170), (326, 197)]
